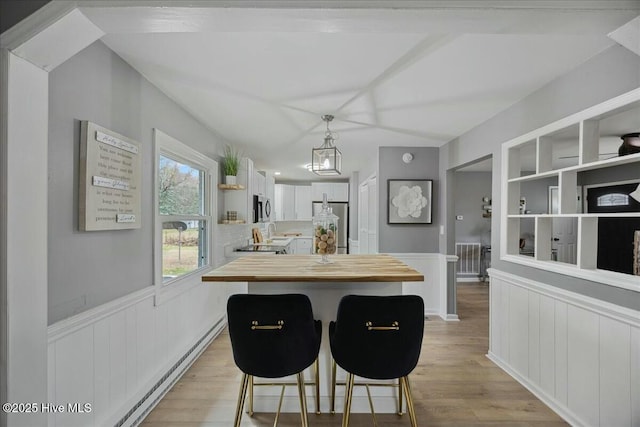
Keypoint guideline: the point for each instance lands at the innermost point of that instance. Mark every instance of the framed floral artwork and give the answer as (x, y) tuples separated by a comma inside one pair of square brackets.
[(409, 201)]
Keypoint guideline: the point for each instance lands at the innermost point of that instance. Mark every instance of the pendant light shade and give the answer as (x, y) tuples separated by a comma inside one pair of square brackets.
[(326, 160)]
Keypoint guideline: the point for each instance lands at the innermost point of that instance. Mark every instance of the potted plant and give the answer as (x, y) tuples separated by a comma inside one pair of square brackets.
[(230, 164)]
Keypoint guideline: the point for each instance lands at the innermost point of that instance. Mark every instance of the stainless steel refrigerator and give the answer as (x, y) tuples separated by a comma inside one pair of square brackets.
[(341, 210)]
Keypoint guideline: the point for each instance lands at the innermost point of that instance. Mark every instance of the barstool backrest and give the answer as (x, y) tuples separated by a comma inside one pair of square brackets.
[(378, 337), (272, 336)]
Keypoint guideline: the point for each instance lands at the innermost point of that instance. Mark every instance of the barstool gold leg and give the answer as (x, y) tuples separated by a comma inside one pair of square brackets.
[(348, 395), (332, 409), (250, 410), (410, 408), (400, 396), (241, 396), (317, 381), (303, 400)]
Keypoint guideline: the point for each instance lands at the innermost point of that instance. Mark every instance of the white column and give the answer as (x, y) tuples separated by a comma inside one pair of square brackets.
[(24, 223)]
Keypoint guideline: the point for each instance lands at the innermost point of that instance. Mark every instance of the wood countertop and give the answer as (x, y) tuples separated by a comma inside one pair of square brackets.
[(305, 268)]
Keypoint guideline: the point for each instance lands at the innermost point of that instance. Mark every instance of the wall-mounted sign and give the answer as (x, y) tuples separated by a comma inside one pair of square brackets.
[(110, 180)]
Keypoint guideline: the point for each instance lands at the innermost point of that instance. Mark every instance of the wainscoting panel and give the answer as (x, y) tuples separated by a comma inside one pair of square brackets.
[(561, 351), (635, 376), (534, 338), (615, 381), (518, 342), (123, 356), (434, 286), (583, 372), (579, 355), (547, 345)]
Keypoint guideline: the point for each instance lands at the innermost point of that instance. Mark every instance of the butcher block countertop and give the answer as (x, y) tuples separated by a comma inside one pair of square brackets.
[(305, 268)]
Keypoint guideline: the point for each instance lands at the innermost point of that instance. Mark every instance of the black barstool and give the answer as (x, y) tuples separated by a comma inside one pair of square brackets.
[(273, 336), (377, 337)]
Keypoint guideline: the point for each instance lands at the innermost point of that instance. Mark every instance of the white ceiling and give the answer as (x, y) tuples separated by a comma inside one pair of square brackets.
[(260, 74)]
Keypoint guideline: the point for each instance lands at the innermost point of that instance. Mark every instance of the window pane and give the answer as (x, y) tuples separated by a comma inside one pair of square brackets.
[(183, 247), (181, 188), (613, 199)]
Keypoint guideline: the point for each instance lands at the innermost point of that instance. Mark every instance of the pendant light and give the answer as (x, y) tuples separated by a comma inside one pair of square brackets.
[(327, 159)]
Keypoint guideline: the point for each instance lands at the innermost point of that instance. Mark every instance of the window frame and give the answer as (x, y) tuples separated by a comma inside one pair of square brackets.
[(167, 146)]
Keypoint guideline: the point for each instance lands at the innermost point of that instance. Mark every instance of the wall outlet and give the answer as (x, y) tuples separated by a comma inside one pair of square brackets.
[(459, 218)]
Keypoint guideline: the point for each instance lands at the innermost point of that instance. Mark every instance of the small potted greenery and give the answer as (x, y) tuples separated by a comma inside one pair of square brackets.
[(230, 164)]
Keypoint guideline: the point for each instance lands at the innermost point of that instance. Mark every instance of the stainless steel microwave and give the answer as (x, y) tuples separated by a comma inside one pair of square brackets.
[(261, 209)]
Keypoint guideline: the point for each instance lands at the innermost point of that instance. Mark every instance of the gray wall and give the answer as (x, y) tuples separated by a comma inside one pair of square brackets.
[(470, 188), (90, 268), (400, 238), (613, 72), (14, 11)]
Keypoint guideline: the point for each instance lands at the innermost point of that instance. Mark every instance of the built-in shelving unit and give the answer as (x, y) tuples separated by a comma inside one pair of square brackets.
[(556, 163)]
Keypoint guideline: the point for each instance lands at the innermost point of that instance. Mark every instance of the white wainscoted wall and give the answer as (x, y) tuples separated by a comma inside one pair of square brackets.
[(434, 287), (124, 355), (579, 355)]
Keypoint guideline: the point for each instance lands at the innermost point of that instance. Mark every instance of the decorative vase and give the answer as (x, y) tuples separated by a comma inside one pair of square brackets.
[(325, 233), (230, 179), (630, 144)]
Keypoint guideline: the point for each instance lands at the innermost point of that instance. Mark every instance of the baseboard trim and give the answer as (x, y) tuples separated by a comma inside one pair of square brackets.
[(548, 400), (468, 279)]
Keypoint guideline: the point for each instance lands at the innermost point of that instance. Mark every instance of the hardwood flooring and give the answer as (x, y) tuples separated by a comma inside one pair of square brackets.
[(454, 384)]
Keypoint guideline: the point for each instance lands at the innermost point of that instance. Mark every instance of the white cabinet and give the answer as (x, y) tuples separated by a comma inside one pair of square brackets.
[(293, 202), (303, 209), (368, 216), (285, 202), (301, 245), (340, 192), (559, 162), (259, 184), (270, 188), (335, 191)]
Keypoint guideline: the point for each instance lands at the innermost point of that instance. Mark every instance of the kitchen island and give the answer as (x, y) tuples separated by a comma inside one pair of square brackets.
[(325, 285)]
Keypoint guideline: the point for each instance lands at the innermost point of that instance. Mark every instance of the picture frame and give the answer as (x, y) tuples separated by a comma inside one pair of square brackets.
[(409, 201)]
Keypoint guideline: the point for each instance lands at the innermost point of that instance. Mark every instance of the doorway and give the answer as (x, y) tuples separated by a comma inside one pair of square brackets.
[(472, 217)]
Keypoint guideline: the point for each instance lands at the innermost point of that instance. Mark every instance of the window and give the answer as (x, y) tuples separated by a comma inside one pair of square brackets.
[(183, 184), (613, 199)]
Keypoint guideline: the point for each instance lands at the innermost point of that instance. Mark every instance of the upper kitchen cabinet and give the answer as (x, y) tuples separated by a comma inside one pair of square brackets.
[(259, 184), (590, 225), (270, 188), (303, 202), (336, 191), (293, 202), (285, 202)]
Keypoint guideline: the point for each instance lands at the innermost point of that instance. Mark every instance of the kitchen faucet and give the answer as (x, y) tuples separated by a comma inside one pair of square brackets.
[(269, 233)]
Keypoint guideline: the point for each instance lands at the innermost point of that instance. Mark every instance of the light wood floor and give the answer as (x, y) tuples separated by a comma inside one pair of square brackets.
[(454, 383)]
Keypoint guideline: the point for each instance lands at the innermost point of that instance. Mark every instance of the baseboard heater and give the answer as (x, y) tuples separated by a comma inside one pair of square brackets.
[(141, 409)]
